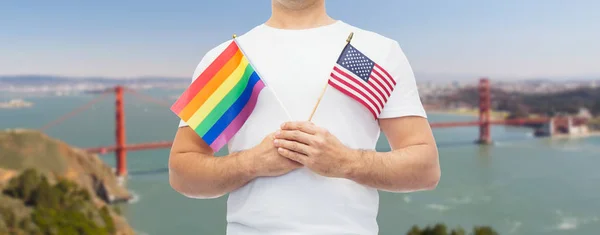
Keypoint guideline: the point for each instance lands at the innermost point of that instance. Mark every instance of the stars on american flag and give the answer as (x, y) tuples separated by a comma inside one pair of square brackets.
[(357, 63)]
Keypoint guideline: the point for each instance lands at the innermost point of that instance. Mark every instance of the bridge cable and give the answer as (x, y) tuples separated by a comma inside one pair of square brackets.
[(75, 111), (148, 98)]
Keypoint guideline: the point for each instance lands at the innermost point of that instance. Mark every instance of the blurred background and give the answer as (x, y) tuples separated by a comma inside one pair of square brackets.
[(512, 90)]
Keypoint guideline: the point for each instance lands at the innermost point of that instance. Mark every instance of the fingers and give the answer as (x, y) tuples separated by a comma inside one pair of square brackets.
[(306, 127), (292, 145), (294, 156), (295, 135)]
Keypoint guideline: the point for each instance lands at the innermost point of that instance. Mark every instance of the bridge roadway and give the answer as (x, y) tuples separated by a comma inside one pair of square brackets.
[(167, 144)]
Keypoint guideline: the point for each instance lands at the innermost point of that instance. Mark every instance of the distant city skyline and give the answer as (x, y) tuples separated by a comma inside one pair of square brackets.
[(457, 40)]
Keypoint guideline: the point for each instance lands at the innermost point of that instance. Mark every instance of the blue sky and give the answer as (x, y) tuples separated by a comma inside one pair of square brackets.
[(504, 39)]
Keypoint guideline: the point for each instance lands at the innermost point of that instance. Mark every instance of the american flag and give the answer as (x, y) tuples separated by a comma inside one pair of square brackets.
[(357, 76)]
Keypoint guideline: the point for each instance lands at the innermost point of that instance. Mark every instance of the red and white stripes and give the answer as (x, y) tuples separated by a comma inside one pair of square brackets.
[(373, 94)]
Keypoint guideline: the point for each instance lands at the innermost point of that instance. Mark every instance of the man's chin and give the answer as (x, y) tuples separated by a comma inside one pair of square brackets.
[(296, 4)]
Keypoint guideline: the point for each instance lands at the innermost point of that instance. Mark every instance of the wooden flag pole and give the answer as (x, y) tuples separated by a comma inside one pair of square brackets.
[(326, 85)]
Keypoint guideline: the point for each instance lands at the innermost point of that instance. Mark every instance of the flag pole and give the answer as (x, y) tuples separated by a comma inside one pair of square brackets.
[(261, 78), (327, 84)]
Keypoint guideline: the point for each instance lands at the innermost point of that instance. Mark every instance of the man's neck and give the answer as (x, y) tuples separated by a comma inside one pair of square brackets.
[(309, 17)]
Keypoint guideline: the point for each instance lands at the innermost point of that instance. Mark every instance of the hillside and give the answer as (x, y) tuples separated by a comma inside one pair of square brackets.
[(23, 149), (47, 184)]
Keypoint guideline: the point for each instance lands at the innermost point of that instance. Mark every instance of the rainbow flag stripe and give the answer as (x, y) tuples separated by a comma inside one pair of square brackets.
[(218, 103)]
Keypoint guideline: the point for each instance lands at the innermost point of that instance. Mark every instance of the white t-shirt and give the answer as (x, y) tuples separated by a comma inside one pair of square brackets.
[(295, 65)]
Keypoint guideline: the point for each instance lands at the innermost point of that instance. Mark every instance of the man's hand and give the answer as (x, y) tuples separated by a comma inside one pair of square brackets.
[(268, 162), (315, 148)]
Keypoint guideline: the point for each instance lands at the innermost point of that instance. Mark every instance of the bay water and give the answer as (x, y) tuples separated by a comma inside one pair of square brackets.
[(518, 185)]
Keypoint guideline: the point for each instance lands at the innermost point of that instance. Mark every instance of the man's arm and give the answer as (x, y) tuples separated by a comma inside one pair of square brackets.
[(411, 165), (195, 172), (193, 169)]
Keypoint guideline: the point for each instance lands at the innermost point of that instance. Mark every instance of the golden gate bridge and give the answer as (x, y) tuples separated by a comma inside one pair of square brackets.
[(121, 147)]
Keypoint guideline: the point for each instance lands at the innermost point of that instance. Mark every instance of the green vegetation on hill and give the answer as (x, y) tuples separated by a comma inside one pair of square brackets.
[(520, 104), (441, 229), (49, 187), (62, 208)]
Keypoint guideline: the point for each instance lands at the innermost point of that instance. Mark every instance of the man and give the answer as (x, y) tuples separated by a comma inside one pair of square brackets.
[(285, 175)]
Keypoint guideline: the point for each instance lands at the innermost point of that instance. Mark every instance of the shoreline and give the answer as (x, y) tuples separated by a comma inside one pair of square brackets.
[(451, 112), (498, 115), (594, 133), (495, 115)]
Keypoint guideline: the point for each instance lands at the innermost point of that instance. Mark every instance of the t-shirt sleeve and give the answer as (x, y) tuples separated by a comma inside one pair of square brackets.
[(206, 60), (404, 99)]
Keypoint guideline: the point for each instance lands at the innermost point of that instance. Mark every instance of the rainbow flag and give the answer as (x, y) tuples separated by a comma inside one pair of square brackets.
[(221, 99)]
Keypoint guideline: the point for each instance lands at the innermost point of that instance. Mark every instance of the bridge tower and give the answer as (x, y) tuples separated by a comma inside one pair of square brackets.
[(484, 111), (120, 152)]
